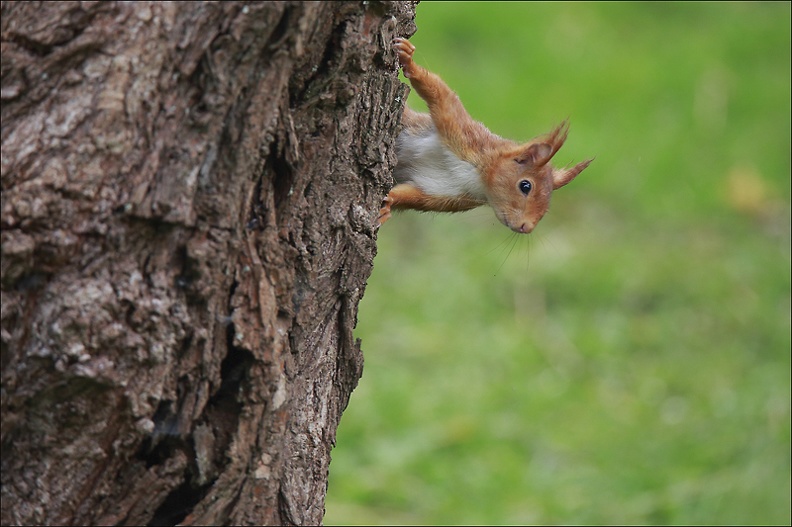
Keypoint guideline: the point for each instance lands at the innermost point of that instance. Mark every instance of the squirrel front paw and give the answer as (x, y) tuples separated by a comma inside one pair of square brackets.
[(385, 211), (404, 50)]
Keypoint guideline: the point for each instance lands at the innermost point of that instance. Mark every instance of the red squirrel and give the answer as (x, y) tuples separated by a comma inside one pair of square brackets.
[(447, 162)]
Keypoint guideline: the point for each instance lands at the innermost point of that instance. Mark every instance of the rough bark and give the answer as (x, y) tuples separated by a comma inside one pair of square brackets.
[(189, 193)]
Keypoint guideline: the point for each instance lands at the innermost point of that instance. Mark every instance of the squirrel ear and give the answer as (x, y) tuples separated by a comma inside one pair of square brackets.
[(537, 154), (564, 176)]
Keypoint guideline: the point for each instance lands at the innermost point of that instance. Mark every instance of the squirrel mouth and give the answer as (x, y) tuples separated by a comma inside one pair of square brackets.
[(520, 227)]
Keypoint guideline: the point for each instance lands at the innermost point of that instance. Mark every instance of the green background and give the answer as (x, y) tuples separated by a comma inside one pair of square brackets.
[(629, 361)]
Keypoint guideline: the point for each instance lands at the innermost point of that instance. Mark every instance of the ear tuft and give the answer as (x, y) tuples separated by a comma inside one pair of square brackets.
[(558, 136), (564, 176), (535, 154)]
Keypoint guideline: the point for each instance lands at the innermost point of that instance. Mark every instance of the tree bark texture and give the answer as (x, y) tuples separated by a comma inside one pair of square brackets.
[(189, 197)]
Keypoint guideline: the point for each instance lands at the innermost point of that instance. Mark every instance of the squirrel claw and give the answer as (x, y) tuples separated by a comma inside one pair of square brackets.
[(385, 211), (383, 217), (404, 50)]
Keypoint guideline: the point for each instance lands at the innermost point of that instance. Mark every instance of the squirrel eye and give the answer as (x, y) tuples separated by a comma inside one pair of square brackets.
[(525, 186)]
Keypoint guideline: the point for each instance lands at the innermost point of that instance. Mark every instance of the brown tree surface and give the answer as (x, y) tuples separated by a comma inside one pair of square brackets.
[(189, 193)]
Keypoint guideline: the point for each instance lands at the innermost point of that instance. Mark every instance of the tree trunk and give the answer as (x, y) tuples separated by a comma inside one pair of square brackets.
[(189, 196)]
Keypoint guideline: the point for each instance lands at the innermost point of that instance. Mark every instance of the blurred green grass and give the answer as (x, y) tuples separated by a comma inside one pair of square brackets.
[(629, 362)]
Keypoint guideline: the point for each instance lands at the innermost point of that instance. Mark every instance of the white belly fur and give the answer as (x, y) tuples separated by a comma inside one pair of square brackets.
[(426, 162)]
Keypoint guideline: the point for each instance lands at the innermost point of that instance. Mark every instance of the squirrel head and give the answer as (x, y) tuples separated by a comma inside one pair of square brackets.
[(522, 180)]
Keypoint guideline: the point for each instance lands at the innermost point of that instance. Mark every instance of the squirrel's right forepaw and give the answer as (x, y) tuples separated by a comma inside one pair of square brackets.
[(404, 50)]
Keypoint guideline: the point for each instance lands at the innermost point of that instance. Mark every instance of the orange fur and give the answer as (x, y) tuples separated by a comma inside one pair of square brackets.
[(409, 197)]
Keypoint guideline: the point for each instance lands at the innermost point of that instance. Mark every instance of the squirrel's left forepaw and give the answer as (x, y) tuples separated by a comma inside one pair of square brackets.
[(385, 211)]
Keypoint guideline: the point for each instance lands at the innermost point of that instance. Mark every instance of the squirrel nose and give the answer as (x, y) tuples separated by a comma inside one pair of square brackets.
[(524, 228)]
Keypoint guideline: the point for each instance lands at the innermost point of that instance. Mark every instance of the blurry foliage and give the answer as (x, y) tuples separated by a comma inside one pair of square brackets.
[(629, 362)]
